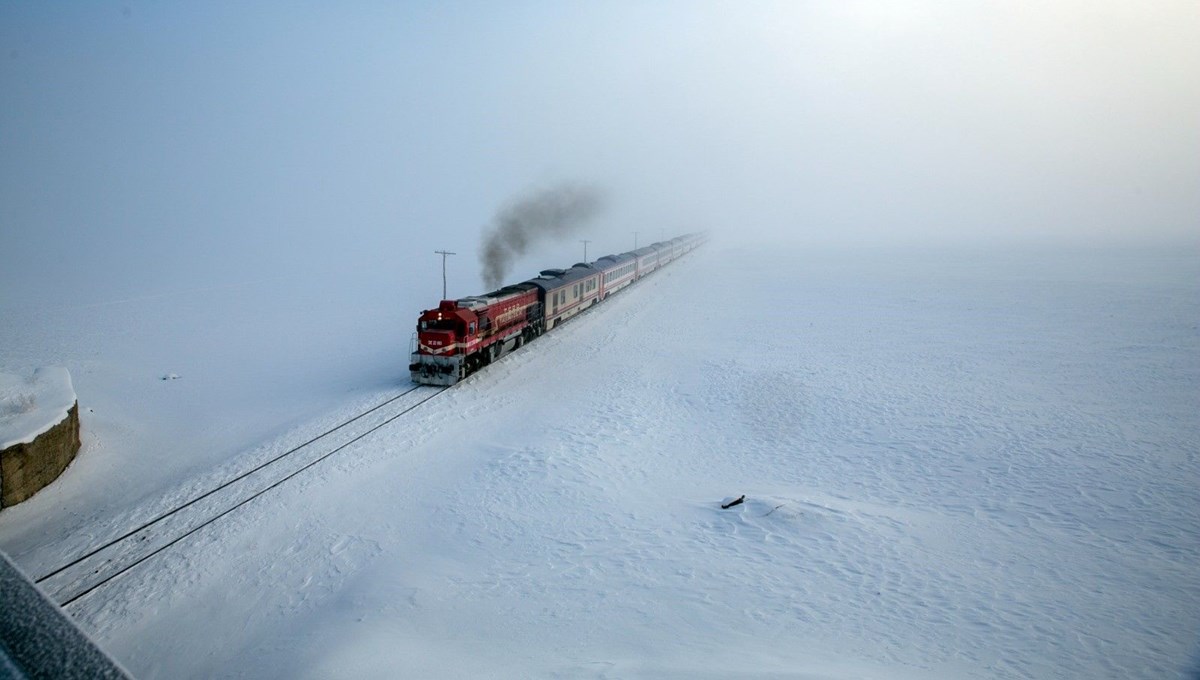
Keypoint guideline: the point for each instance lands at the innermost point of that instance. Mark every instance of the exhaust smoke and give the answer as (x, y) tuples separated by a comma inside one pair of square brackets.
[(541, 216)]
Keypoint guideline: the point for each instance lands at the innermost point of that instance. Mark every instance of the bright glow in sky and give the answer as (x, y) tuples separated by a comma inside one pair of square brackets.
[(201, 140)]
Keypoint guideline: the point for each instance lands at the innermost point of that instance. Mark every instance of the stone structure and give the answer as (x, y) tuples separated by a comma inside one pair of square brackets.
[(26, 468)]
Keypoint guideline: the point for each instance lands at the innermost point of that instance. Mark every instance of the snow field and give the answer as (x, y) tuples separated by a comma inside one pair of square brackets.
[(967, 467), (257, 360)]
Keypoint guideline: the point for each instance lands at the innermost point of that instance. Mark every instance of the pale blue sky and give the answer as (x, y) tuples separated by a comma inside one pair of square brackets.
[(218, 139)]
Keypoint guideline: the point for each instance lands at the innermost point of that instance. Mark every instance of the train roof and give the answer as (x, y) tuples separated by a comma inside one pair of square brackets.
[(476, 303), (557, 278), (609, 261), (550, 279)]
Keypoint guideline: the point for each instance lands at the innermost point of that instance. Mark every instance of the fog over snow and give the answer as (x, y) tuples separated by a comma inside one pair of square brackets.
[(161, 144), (944, 337)]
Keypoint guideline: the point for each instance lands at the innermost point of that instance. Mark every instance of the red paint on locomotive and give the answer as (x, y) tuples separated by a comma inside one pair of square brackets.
[(457, 329)]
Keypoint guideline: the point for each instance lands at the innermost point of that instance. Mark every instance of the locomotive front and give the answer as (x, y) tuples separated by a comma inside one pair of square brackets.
[(444, 337), (461, 336)]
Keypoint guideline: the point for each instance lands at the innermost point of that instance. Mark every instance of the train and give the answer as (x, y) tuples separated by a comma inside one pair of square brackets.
[(461, 336)]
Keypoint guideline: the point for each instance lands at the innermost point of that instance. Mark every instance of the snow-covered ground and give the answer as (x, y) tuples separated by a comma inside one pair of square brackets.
[(32, 404), (956, 465)]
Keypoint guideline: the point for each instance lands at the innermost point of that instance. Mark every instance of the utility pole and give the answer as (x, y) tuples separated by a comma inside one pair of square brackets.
[(443, 253), (584, 241), (635, 240)]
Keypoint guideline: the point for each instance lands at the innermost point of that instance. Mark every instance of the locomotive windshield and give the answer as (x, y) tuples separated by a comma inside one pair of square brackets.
[(441, 325)]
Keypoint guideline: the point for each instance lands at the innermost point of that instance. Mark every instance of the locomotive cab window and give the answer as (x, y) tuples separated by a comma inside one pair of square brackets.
[(442, 325)]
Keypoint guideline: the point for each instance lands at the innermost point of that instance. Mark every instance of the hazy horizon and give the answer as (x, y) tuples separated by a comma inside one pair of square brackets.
[(156, 142)]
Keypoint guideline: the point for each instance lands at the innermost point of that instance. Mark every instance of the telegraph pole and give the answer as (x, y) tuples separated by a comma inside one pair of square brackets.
[(443, 253), (584, 241), (635, 240)]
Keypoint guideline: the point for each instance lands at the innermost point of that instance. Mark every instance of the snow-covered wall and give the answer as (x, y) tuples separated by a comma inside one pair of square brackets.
[(39, 431)]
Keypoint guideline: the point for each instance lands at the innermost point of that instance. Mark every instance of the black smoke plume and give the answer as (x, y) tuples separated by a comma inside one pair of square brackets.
[(541, 216)]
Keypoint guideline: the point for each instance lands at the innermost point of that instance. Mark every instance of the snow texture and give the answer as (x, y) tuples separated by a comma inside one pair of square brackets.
[(955, 465), (32, 405)]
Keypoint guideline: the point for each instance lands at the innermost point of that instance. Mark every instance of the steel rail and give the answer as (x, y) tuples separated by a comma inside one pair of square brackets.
[(179, 508), (242, 502)]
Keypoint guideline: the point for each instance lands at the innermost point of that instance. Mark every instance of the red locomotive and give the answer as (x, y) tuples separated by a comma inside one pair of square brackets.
[(461, 336)]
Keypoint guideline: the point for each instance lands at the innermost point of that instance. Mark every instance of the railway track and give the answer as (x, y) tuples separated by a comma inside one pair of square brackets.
[(100, 565), (85, 574)]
